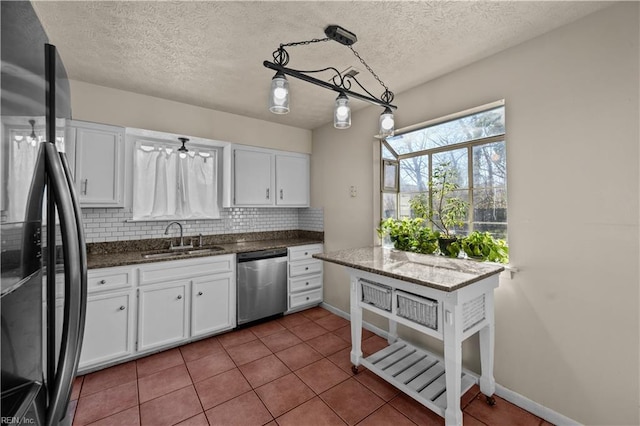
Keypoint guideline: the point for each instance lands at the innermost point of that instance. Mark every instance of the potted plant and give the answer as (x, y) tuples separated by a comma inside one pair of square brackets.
[(482, 246), (409, 235), (445, 211)]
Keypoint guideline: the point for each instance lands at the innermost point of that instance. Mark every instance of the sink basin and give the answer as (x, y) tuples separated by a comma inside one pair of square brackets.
[(180, 253)]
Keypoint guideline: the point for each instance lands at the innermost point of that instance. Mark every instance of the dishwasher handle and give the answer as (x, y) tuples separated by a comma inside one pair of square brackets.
[(262, 254)]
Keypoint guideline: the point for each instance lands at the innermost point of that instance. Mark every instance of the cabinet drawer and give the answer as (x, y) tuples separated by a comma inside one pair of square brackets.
[(109, 279), (305, 268), (305, 298), (305, 283), (304, 252), (187, 268)]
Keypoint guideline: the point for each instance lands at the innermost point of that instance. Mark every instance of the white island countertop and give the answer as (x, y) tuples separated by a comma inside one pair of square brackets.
[(438, 272)]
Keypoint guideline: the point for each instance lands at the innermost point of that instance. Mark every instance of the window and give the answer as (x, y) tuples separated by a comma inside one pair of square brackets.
[(172, 185), (473, 143)]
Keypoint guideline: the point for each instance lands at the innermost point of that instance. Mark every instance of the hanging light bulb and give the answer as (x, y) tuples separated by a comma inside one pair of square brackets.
[(279, 94), (387, 123), (342, 112), (183, 150)]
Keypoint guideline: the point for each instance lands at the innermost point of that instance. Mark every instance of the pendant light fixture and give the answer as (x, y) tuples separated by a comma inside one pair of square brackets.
[(183, 149), (32, 137), (279, 94), (341, 83), (342, 112), (387, 123)]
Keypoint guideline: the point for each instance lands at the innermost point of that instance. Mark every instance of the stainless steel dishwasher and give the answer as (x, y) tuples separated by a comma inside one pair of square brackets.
[(262, 284)]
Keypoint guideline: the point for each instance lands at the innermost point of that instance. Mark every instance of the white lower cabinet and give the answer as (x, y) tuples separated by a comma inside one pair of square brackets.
[(108, 331), (163, 314), (212, 304), (132, 310), (304, 277)]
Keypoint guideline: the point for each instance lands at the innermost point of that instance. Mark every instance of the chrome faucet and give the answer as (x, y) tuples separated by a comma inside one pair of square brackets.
[(166, 231)]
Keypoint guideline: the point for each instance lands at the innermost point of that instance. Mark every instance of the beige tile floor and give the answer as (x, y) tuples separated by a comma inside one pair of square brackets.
[(293, 370)]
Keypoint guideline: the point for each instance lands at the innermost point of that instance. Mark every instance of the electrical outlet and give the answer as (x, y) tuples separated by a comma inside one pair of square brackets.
[(353, 191)]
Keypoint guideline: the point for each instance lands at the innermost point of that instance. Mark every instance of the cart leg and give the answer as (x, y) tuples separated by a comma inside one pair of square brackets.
[(487, 343), (356, 325), (393, 331), (453, 365)]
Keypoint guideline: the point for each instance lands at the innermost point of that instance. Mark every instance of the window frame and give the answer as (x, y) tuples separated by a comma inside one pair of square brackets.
[(468, 145)]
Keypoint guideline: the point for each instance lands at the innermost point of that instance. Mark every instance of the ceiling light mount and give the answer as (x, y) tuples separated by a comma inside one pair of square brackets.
[(340, 82)]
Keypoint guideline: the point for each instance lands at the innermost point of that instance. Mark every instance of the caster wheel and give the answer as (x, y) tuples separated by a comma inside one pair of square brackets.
[(491, 401), (354, 369)]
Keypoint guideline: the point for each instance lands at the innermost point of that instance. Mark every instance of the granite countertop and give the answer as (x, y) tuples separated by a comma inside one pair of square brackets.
[(105, 255), (438, 272)]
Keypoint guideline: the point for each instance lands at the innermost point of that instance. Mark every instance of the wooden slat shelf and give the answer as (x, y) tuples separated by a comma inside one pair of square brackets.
[(415, 372)]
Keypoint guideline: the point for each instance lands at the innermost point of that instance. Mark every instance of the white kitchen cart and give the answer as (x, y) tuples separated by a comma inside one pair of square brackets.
[(419, 292)]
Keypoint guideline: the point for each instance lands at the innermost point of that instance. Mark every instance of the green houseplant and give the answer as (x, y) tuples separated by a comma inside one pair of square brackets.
[(482, 245), (445, 211), (409, 234)]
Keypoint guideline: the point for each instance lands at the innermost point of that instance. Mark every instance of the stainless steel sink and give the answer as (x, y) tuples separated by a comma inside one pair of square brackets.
[(181, 253)]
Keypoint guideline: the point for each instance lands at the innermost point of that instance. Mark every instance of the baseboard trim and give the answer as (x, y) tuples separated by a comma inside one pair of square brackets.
[(503, 392)]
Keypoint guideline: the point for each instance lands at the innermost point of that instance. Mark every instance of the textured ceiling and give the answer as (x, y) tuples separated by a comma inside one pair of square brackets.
[(210, 54)]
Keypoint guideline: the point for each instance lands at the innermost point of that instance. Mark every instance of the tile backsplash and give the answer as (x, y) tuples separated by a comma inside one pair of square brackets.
[(103, 225)]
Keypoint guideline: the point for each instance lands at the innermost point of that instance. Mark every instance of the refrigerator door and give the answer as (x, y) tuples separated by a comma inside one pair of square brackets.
[(75, 271), (23, 108)]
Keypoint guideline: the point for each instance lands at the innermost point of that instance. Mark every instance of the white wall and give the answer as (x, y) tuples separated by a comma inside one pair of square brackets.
[(110, 106), (568, 323)]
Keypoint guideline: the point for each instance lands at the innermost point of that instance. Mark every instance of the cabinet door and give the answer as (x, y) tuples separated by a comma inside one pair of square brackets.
[(252, 177), (99, 160), (108, 331), (162, 314), (213, 304), (292, 181)]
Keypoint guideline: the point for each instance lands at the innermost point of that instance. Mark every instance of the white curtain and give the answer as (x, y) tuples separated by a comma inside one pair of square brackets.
[(170, 186), (22, 164)]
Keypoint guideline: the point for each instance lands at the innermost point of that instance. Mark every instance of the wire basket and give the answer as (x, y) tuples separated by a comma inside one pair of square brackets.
[(418, 309), (377, 295)]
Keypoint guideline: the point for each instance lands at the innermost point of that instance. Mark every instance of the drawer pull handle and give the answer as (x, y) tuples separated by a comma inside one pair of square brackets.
[(307, 297), (179, 297), (102, 282), (200, 293), (122, 308), (306, 268), (307, 283), (306, 253)]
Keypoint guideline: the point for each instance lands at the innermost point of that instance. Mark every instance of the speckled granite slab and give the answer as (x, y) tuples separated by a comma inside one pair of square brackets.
[(121, 253), (439, 272)]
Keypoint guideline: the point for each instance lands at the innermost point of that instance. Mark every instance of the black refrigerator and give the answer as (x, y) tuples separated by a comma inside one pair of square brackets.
[(43, 253)]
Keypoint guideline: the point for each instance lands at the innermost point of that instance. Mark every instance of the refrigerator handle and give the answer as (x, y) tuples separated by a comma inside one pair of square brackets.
[(75, 271)]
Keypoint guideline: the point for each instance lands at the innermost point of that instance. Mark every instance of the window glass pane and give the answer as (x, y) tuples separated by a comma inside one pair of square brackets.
[(389, 205), (490, 205), (476, 126), (458, 160), (404, 210), (489, 165), (386, 154), (390, 175), (497, 230), (414, 174)]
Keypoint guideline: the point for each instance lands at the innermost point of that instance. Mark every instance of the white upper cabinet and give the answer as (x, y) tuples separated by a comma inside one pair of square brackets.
[(99, 164), (267, 178), (253, 178), (292, 180)]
